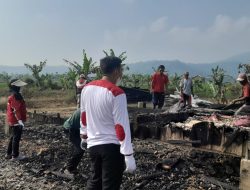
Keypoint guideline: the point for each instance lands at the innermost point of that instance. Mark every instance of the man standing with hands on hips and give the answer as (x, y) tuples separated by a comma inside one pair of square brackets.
[(159, 85), (105, 127)]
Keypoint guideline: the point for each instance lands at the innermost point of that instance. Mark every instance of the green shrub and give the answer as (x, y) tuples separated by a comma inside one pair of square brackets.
[(70, 96)]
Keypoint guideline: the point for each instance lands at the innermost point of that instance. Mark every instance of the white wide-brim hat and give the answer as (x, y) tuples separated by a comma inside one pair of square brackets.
[(18, 83)]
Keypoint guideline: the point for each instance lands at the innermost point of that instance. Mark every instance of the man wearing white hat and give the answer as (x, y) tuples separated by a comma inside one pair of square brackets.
[(79, 86), (242, 78), (16, 116)]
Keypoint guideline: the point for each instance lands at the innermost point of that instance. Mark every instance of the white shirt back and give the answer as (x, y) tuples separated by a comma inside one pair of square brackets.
[(105, 106)]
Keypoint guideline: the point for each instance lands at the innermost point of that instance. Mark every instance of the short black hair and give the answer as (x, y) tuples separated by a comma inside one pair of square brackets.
[(161, 67), (110, 63)]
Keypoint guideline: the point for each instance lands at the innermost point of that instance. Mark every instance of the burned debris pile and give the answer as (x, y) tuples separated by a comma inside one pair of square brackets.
[(161, 162)]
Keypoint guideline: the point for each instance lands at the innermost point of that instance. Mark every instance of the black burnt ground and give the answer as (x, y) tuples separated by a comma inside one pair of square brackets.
[(48, 148)]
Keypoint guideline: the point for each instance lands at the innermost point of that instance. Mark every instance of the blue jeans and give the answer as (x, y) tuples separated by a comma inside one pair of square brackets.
[(158, 99)]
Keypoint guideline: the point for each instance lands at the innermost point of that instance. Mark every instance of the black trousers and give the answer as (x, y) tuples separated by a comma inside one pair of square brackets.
[(107, 166), (14, 140), (77, 152), (158, 99), (185, 99)]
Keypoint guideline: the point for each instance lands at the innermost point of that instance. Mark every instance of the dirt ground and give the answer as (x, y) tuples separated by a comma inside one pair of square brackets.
[(47, 149)]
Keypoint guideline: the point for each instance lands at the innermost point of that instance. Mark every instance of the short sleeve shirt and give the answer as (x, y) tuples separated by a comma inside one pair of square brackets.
[(159, 81), (186, 85)]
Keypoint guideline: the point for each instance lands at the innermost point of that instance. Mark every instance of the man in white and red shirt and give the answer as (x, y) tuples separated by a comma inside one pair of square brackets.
[(105, 125), (79, 86)]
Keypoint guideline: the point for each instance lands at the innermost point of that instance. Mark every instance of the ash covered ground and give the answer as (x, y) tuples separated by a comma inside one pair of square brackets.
[(47, 149)]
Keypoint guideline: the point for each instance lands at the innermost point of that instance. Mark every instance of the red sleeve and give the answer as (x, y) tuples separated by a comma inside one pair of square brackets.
[(153, 77), (120, 133), (246, 91), (83, 118), (17, 108)]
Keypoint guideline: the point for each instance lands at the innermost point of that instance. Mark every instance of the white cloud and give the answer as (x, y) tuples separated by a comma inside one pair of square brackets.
[(224, 38), (159, 25)]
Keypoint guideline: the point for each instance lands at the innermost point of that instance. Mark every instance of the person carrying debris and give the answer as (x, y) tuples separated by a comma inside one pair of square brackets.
[(72, 124), (16, 116), (79, 86), (242, 78), (186, 88), (105, 126), (159, 85)]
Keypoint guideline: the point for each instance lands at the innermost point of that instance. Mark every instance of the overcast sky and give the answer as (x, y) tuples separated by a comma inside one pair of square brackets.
[(189, 30)]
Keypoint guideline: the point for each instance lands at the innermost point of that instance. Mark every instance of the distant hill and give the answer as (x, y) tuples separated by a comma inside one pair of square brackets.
[(230, 65)]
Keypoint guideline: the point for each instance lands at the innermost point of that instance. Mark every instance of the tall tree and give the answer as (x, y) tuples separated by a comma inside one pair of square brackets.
[(85, 68), (36, 70), (244, 68), (218, 75)]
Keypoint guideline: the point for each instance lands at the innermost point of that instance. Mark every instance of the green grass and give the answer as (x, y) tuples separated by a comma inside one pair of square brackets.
[(3, 85)]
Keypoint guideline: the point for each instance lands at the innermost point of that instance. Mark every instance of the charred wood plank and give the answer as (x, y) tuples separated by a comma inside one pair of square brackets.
[(183, 142)]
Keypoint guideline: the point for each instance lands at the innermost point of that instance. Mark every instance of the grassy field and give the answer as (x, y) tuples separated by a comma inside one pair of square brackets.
[(3, 85)]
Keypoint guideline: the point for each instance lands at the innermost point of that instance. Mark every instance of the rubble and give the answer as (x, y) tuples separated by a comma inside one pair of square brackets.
[(47, 149), (161, 162)]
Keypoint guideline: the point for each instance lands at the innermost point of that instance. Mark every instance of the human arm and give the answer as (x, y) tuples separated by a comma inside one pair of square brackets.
[(81, 84), (166, 84), (152, 84), (18, 108), (245, 95), (181, 85), (83, 120), (122, 128), (238, 100)]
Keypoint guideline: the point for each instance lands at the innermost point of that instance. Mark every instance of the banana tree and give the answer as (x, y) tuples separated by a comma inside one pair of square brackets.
[(85, 68), (36, 70), (122, 56), (217, 77)]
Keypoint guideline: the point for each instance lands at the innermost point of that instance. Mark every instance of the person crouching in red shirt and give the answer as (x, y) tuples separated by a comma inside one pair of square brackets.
[(245, 109), (16, 116), (159, 83)]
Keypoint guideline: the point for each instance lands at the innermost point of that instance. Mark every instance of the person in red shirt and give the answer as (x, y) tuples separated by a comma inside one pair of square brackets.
[(159, 84), (242, 78), (16, 116)]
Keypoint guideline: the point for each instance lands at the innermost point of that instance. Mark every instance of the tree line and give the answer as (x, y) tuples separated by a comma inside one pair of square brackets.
[(214, 86)]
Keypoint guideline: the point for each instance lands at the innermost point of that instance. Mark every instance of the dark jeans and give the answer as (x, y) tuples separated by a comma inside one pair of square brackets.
[(158, 99), (107, 166), (14, 140), (185, 99), (77, 152)]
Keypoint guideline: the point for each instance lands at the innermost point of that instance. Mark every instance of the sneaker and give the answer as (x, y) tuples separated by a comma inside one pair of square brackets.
[(7, 156), (18, 158)]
